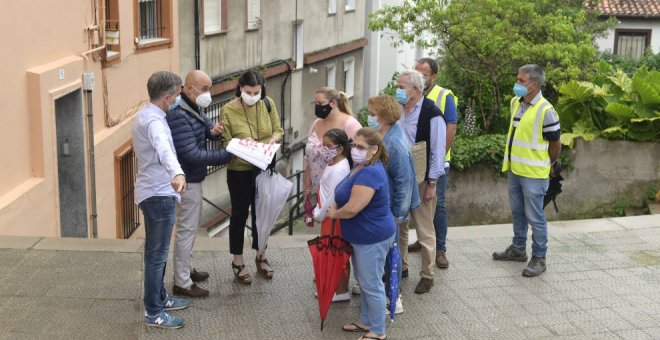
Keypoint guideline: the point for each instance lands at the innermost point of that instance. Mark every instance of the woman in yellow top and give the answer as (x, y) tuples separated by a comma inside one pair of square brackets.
[(247, 117)]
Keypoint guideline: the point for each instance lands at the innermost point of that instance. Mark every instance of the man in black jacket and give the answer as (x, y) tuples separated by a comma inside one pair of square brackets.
[(190, 129)]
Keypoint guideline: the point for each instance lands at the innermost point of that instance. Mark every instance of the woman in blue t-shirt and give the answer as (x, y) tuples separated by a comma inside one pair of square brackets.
[(363, 205)]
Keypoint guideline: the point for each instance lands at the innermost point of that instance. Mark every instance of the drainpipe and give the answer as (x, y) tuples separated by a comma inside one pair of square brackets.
[(92, 163), (197, 61), (88, 86)]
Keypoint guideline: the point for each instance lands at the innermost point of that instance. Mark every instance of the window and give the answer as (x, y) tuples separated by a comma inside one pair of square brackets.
[(350, 5), (331, 75), (153, 22), (111, 30), (298, 51), (332, 6), (214, 18), (127, 212), (631, 43), (349, 76), (253, 14)]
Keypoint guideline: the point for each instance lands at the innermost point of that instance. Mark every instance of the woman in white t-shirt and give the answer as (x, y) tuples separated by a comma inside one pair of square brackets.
[(336, 152)]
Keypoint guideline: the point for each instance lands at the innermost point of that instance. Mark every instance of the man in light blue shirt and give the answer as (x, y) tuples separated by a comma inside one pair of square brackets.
[(422, 121), (159, 183)]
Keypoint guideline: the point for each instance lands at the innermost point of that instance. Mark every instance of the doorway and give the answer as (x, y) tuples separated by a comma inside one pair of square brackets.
[(71, 165)]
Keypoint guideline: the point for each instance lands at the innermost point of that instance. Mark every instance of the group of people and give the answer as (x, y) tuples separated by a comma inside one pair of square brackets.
[(363, 180)]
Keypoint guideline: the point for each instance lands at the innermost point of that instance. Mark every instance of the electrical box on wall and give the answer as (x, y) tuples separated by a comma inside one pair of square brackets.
[(89, 81)]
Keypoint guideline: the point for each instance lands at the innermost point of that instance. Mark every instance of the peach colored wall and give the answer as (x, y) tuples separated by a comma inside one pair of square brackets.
[(29, 200)]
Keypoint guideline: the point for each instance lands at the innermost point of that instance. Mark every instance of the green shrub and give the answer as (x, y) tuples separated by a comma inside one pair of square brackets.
[(469, 150), (613, 106)]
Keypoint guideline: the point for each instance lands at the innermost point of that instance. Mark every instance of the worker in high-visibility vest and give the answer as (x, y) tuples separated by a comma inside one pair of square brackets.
[(446, 101), (529, 158)]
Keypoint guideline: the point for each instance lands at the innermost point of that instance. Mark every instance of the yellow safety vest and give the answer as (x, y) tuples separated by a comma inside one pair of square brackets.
[(440, 94), (526, 152)]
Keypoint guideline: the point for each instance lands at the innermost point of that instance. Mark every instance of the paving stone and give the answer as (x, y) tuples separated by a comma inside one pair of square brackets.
[(600, 284)]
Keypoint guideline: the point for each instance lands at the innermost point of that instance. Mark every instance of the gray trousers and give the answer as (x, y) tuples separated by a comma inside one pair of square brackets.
[(188, 220)]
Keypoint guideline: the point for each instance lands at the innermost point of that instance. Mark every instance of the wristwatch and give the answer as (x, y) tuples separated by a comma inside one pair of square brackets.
[(432, 183)]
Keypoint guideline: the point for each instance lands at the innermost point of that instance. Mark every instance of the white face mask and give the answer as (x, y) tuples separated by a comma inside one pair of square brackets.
[(250, 100), (358, 156), (204, 99)]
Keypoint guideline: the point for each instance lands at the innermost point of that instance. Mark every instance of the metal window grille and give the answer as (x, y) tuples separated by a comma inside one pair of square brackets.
[(213, 112), (150, 19), (128, 214)]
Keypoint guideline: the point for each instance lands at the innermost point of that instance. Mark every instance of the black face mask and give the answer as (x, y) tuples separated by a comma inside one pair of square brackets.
[(322, 111)]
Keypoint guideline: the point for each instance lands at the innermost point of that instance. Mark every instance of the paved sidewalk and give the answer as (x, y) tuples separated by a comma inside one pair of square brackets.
[(603, 282)]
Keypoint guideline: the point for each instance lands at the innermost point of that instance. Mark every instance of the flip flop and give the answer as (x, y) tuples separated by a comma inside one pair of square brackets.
[(371, 337), (356, 328)]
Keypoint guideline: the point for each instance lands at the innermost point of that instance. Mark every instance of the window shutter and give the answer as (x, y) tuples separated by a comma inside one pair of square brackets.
[(212, 15), (332, 6), (253, 13)]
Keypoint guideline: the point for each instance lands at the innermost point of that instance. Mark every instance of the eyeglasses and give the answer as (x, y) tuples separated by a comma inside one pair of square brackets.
[(331, 146), (360, 147)]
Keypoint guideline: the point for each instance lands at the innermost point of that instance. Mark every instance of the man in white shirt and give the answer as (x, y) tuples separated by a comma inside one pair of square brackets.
[(159, 183)]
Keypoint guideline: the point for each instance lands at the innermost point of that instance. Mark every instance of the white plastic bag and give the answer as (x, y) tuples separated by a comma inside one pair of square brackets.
[(272, 192)]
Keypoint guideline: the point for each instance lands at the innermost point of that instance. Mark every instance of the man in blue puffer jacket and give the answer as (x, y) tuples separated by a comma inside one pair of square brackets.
[(190, 129)]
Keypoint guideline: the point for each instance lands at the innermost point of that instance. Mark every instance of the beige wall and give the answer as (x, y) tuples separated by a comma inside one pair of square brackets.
[(31, 83)]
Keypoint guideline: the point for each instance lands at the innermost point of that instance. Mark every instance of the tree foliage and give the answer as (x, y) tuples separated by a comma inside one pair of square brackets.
[(482, 43)]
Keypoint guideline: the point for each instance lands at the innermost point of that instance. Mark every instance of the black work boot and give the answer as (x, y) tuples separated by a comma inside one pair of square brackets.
[(512, 253), (535, 267)]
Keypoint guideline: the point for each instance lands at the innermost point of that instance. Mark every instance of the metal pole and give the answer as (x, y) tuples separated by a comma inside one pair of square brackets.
[(92, 163)]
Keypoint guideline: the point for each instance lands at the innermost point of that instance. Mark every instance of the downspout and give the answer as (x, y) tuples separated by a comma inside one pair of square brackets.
[(197, 53), (92, 163), (88, 86)]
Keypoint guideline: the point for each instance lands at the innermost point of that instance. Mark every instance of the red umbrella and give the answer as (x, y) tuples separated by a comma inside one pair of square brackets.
[(330, 254)]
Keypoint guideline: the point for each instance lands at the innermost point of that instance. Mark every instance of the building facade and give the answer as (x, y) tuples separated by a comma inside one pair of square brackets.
[(383, 57), (298, 45), (74, 79), (637, 28)]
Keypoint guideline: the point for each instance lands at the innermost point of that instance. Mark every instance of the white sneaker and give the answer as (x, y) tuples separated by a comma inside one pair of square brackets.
[(337, 297), (399, 307), (341, 297), (356, 288)]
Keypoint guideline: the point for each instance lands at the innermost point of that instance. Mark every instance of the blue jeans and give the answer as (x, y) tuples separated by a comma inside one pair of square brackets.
[(440, 216), (158, 222), (526, 201), (368, 262)]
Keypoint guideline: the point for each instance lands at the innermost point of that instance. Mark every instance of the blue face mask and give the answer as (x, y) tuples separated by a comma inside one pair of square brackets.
[(401, 96), (520, 90), (372, 121), (177, 101)]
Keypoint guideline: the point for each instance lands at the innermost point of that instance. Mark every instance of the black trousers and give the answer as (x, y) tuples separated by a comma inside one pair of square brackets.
[(242, 190)]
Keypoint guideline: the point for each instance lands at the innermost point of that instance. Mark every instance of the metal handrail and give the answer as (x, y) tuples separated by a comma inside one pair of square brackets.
[(294, 210)]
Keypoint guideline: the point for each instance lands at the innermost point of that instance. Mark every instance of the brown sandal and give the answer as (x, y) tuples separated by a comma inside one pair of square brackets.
[(266, 273), (245, 279)]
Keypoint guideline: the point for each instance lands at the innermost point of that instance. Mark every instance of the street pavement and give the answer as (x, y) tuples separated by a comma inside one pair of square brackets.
[(603, 282)]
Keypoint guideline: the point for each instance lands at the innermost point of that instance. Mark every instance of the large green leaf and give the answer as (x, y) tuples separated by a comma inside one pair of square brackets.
[(644, 129), (598, 91), (620, 111), (576, 91), (641, 110), (649, 93), (621, 80), (615, 132)]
